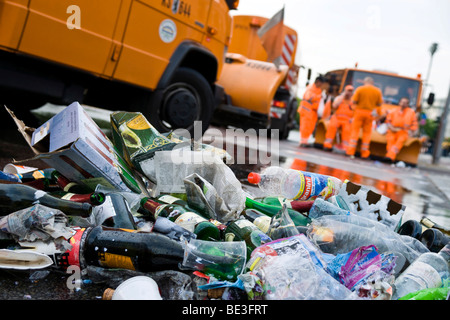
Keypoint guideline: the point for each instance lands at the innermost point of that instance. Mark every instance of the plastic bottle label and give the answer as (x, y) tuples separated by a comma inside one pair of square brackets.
[(312, 185), (424, 274), (189, 220)]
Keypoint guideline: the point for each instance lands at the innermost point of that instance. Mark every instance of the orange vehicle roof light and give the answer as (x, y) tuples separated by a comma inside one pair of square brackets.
[(255, 22)]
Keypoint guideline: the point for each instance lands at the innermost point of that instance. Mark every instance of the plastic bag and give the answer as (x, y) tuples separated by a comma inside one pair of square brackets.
[(281, 225), (284, 246), (428, 294), (294, 276), (362, 266), (218, 199)]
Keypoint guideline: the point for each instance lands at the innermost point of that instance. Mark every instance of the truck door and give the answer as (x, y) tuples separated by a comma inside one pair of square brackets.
[(76, 33), (154, 30), (13, 16)]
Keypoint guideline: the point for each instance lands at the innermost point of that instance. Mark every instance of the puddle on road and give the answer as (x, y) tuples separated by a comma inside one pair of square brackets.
[(417, 204)]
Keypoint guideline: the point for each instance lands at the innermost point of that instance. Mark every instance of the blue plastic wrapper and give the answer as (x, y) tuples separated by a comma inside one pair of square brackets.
[(9, 177)]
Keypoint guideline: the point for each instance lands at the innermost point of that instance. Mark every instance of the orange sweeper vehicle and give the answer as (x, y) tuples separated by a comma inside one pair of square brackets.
[(393, 88)]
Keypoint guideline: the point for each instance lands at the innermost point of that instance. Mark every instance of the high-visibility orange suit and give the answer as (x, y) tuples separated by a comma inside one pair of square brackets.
[(341, 119), (308, 111), (403, 120), (366, 100)]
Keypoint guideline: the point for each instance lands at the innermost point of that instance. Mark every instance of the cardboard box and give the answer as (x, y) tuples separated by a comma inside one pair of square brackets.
[(75, 146)]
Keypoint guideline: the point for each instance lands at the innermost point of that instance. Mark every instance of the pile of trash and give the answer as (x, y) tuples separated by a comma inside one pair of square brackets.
[(164, 217)]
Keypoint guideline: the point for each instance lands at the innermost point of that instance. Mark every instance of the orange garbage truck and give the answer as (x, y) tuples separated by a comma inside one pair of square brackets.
[(158, 57), (393, 88), (258, 94)]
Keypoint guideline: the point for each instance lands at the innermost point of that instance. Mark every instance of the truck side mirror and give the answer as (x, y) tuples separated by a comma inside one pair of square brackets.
[(309, 74), (430, 99)]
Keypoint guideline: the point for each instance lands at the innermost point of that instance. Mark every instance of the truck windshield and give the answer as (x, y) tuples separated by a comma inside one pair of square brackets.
[(393, 88)]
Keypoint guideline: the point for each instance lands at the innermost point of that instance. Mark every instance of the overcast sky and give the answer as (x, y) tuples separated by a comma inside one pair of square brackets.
[(392, 35)]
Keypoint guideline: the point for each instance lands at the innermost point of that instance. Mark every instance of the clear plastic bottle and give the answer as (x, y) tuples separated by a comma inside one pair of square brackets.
[(295, 184), (269, 180), (427, 271)]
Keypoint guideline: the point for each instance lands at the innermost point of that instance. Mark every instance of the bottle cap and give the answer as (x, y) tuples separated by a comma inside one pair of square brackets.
[(108, 294), (254, 178)]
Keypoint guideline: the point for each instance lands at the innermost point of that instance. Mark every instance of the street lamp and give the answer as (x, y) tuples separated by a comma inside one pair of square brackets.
[(433, 48)]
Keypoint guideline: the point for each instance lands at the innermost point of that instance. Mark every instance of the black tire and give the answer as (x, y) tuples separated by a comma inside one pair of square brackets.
[(290, 121), (186, 99)]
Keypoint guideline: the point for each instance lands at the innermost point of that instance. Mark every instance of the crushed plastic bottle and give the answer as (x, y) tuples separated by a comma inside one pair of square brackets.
[(343, 233)]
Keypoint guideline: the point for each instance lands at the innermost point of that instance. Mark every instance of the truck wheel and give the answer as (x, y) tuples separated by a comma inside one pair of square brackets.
[(186, 99), (292, 111)]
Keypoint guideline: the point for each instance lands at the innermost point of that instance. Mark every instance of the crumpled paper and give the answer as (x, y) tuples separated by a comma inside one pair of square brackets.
[(221, 200), (36, 223)]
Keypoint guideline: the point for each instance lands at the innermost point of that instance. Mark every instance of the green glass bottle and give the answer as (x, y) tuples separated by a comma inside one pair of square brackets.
[(297, 205), (298, 218), (245, 230), (191, 221)]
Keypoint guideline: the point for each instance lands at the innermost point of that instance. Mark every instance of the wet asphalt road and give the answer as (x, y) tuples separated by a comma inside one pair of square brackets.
[(420, 189)]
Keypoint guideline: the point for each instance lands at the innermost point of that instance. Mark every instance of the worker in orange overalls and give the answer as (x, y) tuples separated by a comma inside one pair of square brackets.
[(341, 119), (401, 123), (367, 99), (308, 110)]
